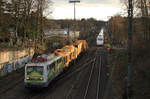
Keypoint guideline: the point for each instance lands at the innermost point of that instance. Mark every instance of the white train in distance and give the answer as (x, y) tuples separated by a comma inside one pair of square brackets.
[(100, 38)]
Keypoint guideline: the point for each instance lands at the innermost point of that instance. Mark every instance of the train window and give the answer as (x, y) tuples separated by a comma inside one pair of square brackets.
[(100, 39), (48, 67), (70, 56), (29, 69), (35, 68), (76, 46), (65, 59), (66, 50), (39, 69), (60, 60), (52, 65), (55, 65), (57, 60)]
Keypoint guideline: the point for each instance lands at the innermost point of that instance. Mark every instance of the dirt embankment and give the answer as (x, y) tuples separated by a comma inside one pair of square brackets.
[(140, 72)]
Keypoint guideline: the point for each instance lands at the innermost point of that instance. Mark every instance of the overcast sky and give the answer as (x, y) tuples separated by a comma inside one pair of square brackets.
[(99, 9)]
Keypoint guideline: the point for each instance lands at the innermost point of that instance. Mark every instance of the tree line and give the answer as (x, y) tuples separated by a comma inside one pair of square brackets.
[(118, 30), (22, 20), (85, 26), (118, 25)]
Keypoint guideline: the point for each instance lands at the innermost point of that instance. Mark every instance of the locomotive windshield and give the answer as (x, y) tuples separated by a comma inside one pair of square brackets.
[(35, 68), (100, 39)]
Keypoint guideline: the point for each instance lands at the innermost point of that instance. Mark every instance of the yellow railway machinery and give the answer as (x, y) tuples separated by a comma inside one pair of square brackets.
[(78, 45), (65, 56), (84, 45), (81, 46), (72, 50)]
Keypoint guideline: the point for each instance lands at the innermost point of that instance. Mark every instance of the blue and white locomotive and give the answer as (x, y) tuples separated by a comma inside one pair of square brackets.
[(100, 38)]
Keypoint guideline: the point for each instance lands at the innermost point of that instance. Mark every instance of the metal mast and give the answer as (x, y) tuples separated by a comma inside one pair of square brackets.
[(74, 1), (130, 19)]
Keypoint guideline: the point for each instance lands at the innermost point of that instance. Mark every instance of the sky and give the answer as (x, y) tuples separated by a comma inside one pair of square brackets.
[(98, 9)]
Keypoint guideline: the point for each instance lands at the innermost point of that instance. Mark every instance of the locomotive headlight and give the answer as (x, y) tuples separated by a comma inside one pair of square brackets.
[(27, 78), (41, 78)]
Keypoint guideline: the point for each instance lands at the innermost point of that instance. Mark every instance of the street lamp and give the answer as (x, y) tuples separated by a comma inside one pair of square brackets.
[(74, 2)]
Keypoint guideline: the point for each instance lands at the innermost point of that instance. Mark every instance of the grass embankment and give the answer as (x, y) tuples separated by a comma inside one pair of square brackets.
[(118, 67), (140, 72), (141, 68)]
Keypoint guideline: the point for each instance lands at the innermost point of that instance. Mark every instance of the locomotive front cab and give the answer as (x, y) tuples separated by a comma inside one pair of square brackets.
[(100, 41), (34, 73), (34, 76)]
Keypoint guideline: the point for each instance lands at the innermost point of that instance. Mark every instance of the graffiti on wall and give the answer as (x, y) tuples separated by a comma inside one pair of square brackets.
[(7, 56), (8, 67)]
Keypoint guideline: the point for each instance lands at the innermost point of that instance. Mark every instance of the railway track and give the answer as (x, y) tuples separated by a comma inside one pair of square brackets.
[(99, 77), (94, 86), (13, 82), (77, 69), (68, 96), (95, 72), (89, 80), (96, 83), (70, 93)]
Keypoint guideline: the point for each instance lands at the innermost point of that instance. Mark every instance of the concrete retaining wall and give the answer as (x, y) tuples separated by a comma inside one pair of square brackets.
[(13, 60)]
